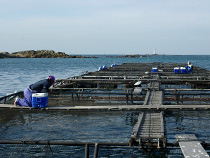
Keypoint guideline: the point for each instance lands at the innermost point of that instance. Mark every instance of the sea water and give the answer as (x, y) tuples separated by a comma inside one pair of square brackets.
[(113, 126)]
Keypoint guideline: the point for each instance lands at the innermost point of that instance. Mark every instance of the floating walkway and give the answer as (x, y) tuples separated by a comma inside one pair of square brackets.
[(133, 86), (154, 98), (149, 130)]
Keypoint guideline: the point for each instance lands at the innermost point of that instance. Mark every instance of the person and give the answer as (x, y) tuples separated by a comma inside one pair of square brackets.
[(41, 86), (189, 67)]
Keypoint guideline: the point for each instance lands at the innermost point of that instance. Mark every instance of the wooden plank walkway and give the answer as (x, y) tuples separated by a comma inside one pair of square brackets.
[(116, 107), (190, 146)]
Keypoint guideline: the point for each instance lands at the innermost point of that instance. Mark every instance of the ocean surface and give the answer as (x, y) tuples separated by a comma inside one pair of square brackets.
[(115, 126)]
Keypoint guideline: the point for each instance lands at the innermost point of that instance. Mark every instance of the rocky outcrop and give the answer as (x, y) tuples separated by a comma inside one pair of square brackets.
[(39, 54), (6, 55)]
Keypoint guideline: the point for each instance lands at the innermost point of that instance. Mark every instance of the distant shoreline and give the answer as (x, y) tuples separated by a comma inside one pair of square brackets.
[(40, 54), (53, 54)]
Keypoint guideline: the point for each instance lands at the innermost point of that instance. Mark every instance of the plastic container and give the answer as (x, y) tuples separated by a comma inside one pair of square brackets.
[(100, 68), (39, 100), (176, 70), (154, 69), (183, 70), (113, 65), (104, 67)]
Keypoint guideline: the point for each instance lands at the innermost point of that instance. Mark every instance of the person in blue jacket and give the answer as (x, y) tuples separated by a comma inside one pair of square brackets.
[(38, 87)]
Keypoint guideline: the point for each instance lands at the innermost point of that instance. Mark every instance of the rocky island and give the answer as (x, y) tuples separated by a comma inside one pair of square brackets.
[(39, 54)]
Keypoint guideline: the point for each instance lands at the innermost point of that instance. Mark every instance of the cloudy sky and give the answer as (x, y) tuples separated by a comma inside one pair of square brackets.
[(106, 26)]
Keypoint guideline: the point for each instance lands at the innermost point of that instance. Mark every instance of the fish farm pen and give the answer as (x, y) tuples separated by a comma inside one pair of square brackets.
[(153, 92)]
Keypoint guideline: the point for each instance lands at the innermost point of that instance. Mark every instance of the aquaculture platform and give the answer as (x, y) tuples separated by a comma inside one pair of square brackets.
[(114, 87), (150, 88)]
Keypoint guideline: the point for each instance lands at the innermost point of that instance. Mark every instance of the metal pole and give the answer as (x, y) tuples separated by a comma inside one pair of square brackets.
[(96, 150), (127, 97), (132, 96), (86, 150)]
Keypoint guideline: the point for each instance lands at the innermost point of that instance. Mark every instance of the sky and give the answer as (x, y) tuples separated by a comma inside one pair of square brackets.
[(106, 26)]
